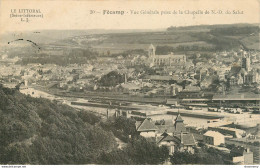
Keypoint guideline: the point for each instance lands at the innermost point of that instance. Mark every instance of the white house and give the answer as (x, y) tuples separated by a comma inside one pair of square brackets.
[(169, 141), (213, 138), (146, 128)]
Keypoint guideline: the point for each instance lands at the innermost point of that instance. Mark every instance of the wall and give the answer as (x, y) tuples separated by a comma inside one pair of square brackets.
[(148, 134), (208, 140), (248, 158), (238, 160)]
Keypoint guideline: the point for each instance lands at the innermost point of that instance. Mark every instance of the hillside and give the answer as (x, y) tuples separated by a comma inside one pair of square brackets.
[(79, 46), (191, 38), (37, 131), (51, 36)]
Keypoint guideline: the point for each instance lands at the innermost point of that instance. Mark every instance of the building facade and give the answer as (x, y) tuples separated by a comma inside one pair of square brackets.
[(169, 60), (213, 138)]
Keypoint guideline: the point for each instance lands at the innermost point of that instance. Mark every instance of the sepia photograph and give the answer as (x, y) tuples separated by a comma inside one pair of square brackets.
[(118, 82)]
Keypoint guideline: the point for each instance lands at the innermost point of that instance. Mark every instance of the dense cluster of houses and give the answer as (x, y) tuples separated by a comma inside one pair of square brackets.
[(227, 69), (176, 136), (172, 134), (171, 73)]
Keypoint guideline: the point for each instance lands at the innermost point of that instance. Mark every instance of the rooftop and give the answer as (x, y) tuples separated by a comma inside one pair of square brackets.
[(188, 139), (162, 78), (244, 96), (168, 138), (168, 56), (213, 134), (146, 125)]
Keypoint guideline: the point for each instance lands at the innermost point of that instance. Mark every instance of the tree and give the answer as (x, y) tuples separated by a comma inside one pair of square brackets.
[(184, 83), (203, 155), (186, 157), (89, 117), (138, 151), (126, 125), (37, 131), (113, 78)]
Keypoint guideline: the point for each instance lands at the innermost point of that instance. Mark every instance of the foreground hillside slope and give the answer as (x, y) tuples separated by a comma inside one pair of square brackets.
[(37, 131)]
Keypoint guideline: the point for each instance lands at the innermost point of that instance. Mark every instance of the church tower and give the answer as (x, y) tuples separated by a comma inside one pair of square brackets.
[(245, 61), (151, 51)]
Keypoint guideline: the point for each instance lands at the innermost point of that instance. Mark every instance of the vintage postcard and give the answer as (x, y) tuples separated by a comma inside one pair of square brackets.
[(114, 82)]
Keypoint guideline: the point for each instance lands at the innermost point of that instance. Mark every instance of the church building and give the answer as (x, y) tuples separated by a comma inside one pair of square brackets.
[(169, 60)]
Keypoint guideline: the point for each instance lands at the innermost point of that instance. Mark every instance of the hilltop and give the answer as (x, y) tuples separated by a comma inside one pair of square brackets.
[(209, 38), (65, 47)]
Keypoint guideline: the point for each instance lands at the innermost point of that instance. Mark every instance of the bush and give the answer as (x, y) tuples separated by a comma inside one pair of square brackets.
[(138, 151), (89, 117)]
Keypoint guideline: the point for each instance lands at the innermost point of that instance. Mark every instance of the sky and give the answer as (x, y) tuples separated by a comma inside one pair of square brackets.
[(71, 14)]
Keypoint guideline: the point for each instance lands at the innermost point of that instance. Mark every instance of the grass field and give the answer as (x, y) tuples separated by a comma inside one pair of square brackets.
[(251, 42), (120, 47), (117, 43), (198, 38), (210, 38)]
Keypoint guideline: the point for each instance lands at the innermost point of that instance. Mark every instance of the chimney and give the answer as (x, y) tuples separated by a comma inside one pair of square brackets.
[(125, 79), (181, 137), (26, 82)]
